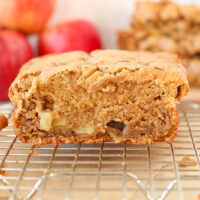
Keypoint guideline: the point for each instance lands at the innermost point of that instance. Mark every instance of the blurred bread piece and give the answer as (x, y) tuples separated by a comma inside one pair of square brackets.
[(166, 26)]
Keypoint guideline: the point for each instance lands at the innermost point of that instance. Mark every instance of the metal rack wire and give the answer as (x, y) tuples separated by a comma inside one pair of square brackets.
[(103, 171)]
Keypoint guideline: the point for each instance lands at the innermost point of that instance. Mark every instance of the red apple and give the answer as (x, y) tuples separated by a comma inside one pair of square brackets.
[(69, 36), (14, 52), (28, 16)]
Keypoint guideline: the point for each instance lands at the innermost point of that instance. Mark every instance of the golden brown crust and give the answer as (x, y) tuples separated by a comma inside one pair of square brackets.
[(109, 62), (3, 121), (102, 66), (117, 96)]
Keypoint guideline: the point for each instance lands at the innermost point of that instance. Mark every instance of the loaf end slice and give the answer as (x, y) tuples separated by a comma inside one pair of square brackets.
[(108, 95)]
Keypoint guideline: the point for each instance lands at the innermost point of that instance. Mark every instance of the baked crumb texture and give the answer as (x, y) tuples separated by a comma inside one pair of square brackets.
[(166, 26), (108, 95), (3, 121)]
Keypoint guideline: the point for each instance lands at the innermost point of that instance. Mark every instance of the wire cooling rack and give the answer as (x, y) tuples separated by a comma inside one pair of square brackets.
[(103, 171)]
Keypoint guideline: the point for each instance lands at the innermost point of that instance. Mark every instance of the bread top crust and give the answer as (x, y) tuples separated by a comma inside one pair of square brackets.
[(101, 67)]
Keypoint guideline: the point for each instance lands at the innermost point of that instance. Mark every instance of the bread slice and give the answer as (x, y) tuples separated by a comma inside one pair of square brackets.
[(108, 95)]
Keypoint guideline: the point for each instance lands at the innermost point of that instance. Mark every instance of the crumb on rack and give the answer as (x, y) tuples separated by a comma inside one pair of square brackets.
[(35, 154), (2, 172), (124, 164), (188, 159), (46, 171), (3, 121), (30, 152)]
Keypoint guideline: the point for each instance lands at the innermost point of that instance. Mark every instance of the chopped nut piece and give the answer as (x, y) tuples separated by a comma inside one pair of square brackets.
[(117, 125), (46, 119), (189, 162), (3, 121), (109, 88)]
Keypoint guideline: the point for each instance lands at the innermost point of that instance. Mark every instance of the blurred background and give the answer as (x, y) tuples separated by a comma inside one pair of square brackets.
[(108, 15), (30, 28)]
